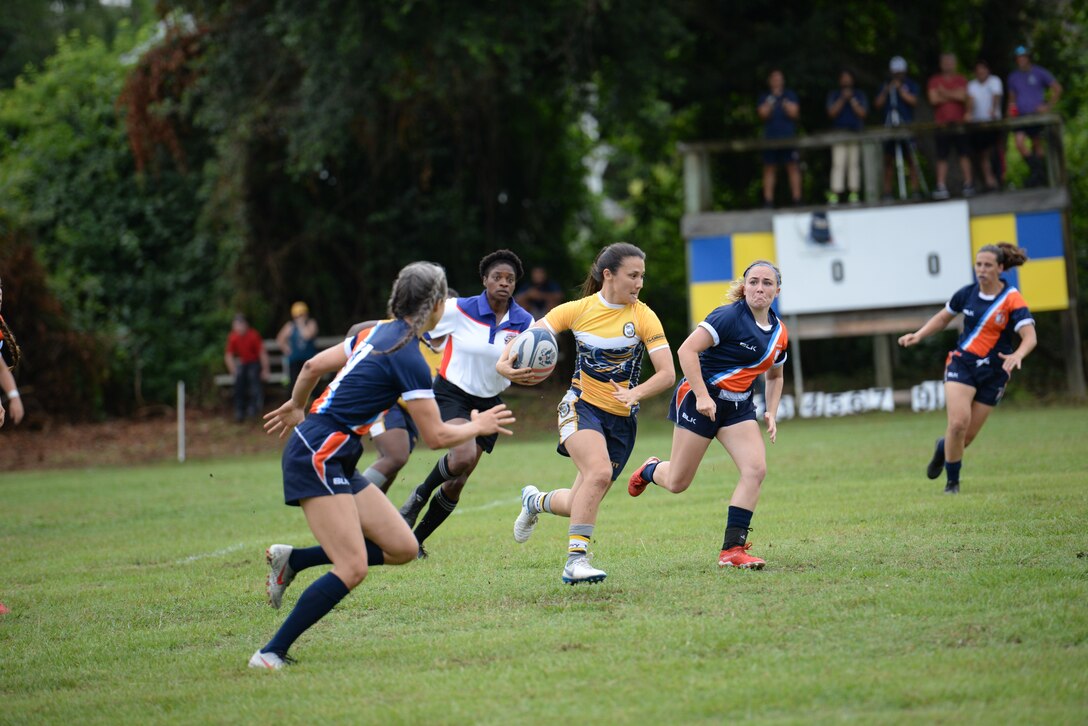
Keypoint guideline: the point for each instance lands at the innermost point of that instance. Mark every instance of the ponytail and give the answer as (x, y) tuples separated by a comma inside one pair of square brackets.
[(736, 290), (418, 288), (1008, 255), (610, 258), (8, 347)]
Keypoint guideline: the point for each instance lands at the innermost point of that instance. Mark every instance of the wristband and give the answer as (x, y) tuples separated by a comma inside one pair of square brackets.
[(14, 394)]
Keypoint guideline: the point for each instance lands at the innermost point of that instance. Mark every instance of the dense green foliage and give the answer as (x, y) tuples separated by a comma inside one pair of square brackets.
[(137, 595), (261, 152)]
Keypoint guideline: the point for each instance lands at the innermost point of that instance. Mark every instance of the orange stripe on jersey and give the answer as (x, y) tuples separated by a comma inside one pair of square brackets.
[(332, 444), (446, 355), (993, 323)]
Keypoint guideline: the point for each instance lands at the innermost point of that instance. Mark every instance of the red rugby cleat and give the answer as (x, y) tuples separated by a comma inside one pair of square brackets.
[(636, 484), (738, 557)]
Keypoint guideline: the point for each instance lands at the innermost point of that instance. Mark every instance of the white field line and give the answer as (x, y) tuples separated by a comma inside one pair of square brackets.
[(206, 555), (507, 501)]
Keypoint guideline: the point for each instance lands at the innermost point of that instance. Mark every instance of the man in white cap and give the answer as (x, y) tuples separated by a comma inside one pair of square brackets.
[(897, 98)]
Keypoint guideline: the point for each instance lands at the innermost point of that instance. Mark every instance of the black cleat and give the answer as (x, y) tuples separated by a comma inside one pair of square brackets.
[(411, 509), (952, 487), (936, 464)]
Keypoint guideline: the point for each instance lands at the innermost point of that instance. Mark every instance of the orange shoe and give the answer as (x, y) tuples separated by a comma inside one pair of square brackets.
[(738, 557), (636, 484)]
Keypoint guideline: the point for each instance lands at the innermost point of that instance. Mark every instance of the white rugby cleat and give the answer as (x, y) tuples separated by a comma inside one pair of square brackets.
[(280, 573), (526, 521), (579, 570), (268, 661)]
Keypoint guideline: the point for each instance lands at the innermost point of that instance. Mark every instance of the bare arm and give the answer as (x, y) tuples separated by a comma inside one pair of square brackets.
[(228, 360), (662, 379), (935, 324), (775, 381), (438, 434), (1053, 98), (15, 401), (1028, 341), (505, 365), (293, 411), (309, 329), (283, 338), (693, 345), (792, 109), (265, 368)]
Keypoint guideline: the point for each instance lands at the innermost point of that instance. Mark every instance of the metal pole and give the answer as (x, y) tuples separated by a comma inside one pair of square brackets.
[(181, 422), (795, 354)]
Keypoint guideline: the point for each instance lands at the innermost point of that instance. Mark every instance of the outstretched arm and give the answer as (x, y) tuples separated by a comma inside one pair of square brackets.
[(935, 324)]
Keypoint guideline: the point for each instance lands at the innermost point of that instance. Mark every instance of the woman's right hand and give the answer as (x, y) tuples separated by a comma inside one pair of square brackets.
[(909, 339), (706, 406), (284, 418), (493, 420), (505, 368)]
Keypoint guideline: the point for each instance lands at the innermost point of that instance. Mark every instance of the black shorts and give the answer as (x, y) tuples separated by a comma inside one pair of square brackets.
[(775, 157), (984, 140), (951, 140), (905, 145), (319, 460), (396, 418), (455, 403), (682, 411), (1032, 132)]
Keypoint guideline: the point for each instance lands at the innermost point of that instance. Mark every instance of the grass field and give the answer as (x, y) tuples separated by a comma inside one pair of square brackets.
[(137, 596)]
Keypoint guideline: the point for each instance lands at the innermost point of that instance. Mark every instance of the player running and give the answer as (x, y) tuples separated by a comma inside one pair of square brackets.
[(721, 360), (319, 460), (9, 358), (978, 370), (598, 416)]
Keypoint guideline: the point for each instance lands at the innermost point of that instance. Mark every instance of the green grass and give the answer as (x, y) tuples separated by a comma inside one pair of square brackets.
[(137, 594)]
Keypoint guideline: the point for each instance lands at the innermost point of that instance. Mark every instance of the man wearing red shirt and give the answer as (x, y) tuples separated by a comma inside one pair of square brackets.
[(247, 361), (947, 92)]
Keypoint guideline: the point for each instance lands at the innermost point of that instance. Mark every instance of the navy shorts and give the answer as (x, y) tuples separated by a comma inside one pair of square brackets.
[(319, 460), (682, 412), (775, 157), (396, 418), (618, 431), (455, 403), (985, 375)]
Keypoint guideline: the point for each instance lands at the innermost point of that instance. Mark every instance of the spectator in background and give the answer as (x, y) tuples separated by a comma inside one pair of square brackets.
[(247, 361), (947, 91), (898, 98), (297, 340), (779, 108), (846, 107), (1028, 85), (539, 294), (984, 93)]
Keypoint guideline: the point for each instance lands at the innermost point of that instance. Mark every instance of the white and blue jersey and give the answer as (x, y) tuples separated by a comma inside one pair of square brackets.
[(371, 381), (476, 342)]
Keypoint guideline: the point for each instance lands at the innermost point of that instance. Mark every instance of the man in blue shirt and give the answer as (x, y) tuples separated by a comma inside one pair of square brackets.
[(847, 108), (779, 107), (898, 97)]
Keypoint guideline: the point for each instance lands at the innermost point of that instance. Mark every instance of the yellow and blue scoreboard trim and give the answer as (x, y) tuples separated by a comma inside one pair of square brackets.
[(714, 262), (1042, 279)]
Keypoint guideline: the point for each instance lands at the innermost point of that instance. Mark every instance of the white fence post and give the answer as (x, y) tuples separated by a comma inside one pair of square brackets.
[(181, 422)]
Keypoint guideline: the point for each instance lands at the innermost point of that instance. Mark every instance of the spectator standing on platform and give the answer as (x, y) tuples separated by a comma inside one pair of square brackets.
[(540, 294), (1028, 85), (947, 92), (898, 98), (247, 361), (779, 108), (297, 340), (847, 108), (984, 93)]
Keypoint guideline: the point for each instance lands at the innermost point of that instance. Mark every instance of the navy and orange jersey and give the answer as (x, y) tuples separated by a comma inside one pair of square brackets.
[(371, 381), (611, 340), (6, 353), (989, 320), (742, 350)]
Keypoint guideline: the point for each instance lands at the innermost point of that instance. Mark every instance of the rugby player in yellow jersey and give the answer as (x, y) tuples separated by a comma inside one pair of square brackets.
[(598, 415)]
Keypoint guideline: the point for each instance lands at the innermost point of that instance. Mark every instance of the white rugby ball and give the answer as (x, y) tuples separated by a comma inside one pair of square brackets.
[(536, 349)]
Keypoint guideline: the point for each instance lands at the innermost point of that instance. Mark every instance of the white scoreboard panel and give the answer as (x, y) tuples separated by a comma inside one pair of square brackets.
[(877, 258)]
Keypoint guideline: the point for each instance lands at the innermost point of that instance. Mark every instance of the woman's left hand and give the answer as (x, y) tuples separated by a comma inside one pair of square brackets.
[(772, 427), (626, 396), (1012, 360), (284, 418)]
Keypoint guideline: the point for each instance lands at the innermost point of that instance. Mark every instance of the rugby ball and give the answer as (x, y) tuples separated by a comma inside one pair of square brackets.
[(536, 349)]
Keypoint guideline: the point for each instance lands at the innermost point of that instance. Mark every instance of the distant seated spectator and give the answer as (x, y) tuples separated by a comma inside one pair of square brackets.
[(898, 97), (947, 91), (539, 294), (984, 93), (847, 108), (779, 109), (247, 361), (1028, 85)]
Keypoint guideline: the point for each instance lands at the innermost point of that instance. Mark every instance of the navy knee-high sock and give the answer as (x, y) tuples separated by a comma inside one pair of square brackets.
[(736, 527), (316, 602), (305, 557)]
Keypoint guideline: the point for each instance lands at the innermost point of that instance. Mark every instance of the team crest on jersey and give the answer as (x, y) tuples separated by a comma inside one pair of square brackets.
[(510, 335), (629, 330), (564, 409), (999, 317)]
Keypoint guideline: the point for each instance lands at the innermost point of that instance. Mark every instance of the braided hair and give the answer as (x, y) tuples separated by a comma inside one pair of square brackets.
[(610, 258), (418, 288), (9, 349)]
